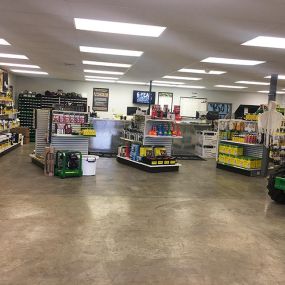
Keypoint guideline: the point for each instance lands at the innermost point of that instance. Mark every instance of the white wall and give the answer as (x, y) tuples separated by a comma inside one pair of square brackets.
[(121, 95)]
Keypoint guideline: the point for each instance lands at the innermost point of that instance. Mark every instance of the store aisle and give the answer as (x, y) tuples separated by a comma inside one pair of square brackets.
[(197, 226)]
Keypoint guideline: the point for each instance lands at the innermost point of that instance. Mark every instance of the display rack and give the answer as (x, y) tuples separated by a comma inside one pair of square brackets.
[(142, 137), (27, 103), (252, 153), (8, 121), (50, 128)]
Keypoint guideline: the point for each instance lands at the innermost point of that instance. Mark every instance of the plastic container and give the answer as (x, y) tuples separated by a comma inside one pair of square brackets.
[(89, 165)]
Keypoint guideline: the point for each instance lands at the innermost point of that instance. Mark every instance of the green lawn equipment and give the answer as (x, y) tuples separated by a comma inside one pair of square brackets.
[(68, 164), (276, 185)]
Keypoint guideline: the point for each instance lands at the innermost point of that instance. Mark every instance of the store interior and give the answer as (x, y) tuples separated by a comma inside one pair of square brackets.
[(142, 147)]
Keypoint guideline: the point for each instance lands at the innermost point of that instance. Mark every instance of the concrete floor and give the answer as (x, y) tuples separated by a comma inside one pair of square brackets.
[(197, 226)]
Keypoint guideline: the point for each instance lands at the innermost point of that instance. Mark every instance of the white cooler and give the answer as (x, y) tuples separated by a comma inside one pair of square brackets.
[(89, 164)]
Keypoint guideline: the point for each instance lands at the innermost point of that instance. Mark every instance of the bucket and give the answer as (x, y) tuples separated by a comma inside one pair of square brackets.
[(89, 164)]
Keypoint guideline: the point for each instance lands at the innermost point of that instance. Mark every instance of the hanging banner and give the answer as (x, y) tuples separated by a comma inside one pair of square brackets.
[(100, 99)]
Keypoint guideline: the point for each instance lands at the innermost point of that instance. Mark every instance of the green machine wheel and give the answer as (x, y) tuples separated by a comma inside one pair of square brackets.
[(276, 186)]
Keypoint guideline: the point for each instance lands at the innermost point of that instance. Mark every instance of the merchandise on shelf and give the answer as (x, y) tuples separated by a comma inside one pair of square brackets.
[(251, 117), (246, 162), (230, 149), (155, 155), (164, 129), (157, 112), (248, 138)]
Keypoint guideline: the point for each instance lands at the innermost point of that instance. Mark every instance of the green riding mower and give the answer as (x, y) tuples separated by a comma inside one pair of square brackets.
[(276, 185)]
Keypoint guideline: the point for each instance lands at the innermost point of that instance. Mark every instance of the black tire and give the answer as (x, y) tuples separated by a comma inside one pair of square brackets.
[(275, 194)]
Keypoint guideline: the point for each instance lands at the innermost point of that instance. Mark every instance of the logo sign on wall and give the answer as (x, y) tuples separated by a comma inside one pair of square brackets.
[(100, 99)]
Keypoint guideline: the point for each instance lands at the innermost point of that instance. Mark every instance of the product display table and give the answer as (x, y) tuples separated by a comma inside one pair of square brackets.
[(148, 168)]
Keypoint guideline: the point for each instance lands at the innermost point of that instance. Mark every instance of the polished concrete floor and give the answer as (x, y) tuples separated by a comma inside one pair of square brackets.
[(124, 226)]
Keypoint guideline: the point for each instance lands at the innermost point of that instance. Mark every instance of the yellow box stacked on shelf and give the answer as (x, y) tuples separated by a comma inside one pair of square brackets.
[(231, 149), (240, 161), (251, 117)]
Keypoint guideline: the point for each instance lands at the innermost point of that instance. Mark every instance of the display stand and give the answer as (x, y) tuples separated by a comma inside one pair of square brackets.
[(50, 128), (241, 163), (8, 122), (150, 140)]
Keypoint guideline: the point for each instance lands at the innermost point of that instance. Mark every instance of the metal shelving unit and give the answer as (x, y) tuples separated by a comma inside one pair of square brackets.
[(251, 150), (151, 140)]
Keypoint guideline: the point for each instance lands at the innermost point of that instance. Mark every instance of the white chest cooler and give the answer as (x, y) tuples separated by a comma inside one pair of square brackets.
[(89, 164)]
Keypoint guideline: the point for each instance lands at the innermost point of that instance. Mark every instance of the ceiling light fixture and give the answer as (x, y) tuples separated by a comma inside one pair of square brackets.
[(100, 80), (267, 92), (103, 72), (163, 85), (29, 71), (18, 65), (11, 55), (233, 61), (4, 42), (191, 86), (118, 27), (99, 63), (168, 82), (202, 71), (123, 52), (101, 77), (231, 86), (132, 82), (182, 78), (252, 82), (281, 77), (270, 42)]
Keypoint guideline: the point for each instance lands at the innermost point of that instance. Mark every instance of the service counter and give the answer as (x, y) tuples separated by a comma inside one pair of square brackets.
[(186, 145), (108, 132)]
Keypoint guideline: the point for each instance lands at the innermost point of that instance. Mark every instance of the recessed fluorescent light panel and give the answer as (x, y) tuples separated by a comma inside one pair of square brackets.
[(118, 28), (18, 65), (28, 71), (131, 82), (252, 82), (181, 78), (11, 55), (267, 92), (230, 86), (202, 71), (281, 77), (101, 77), (4, 43), (233, 61), (191, 86), (168, 82), (111, 51), (100, 80), (99, 63), (103, 72), (270, 42)]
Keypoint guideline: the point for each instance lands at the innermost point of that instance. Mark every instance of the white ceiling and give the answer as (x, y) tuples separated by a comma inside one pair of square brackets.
[(44, 31)]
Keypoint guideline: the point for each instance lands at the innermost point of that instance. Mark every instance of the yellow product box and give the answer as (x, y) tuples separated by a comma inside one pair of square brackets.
[(249, 163), (228, 159), (221, 158), (145, 151), (258, 163), (222, 148), (232, 160)]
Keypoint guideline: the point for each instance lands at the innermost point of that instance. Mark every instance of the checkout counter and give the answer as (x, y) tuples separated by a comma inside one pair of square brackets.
[(186, 145), (108, 133)]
